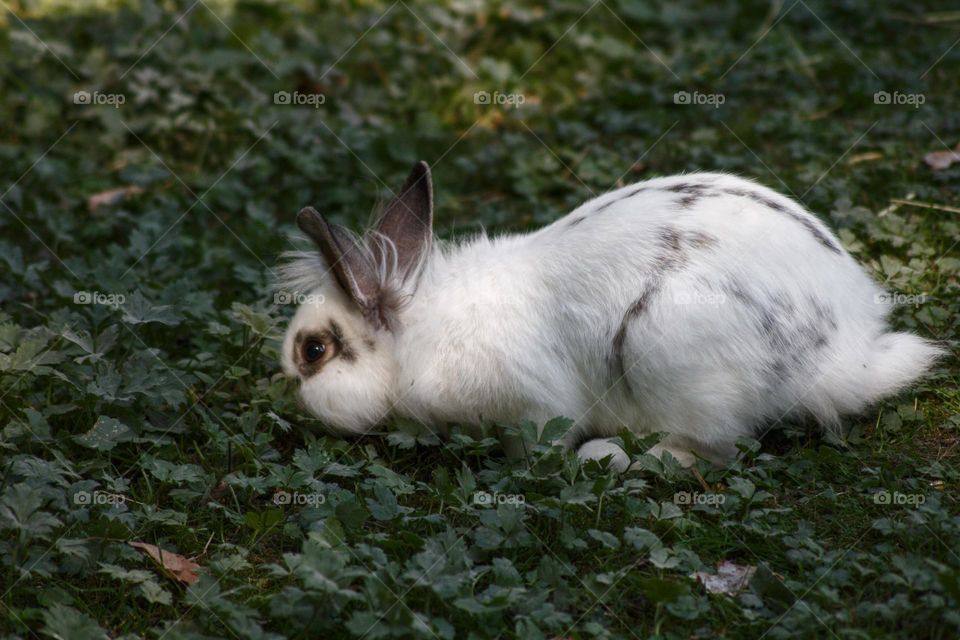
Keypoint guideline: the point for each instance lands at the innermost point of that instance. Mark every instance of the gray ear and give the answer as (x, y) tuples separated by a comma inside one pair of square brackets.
[(407, 220), (353, 269)]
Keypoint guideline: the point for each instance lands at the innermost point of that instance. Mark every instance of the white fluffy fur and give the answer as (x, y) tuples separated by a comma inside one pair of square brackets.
[(524, 326)]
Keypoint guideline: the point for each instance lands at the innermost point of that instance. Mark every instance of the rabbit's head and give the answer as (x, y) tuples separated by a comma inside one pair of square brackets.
[(340, 342)]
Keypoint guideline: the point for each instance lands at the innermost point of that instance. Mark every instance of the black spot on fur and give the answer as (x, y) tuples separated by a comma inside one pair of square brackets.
[(577, 221), (619, 369), (700, 239), (674, 255), (607, 205), (627, 195), (675, 245), (346, 353), (793, 335), (670, 239), (688, 187), (688, 201), (780, 370), (692, 192), (823, 313)]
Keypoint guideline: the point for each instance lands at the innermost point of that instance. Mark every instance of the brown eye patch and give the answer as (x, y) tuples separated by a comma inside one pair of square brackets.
[(312, 350), (348, 354)]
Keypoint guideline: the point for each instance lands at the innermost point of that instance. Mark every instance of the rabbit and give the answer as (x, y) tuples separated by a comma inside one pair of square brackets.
[(702, 306)]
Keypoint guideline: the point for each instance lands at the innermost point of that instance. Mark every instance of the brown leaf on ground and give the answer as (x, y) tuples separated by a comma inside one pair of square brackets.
[(220, 491), (179, 568), (111, 196), (937, 160), (867, 156), (730, 578)]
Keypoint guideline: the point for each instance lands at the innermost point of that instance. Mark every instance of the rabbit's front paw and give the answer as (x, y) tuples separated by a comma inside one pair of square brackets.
[(600, 448)]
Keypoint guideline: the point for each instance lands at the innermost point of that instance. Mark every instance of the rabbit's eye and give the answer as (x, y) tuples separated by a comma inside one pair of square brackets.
[(313, 350)]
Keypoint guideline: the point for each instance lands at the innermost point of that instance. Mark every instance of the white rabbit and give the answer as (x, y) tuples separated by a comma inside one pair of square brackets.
[(702, 306)]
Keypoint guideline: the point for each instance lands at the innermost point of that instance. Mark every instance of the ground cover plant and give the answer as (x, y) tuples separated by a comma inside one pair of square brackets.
[(157, 478)]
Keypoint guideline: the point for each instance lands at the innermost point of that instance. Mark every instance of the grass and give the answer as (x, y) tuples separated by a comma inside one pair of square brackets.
[(162, 417)]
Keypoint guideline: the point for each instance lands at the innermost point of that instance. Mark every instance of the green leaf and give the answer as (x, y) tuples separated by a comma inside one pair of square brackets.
[(66, 623), (689, 607), (138, 310), (263, 521), (608, 540), (743, 487), (663, 558), (384, 507), (106, 433), (554, 430), (641, 539), (32, 356), (145, 584), (20, 510)]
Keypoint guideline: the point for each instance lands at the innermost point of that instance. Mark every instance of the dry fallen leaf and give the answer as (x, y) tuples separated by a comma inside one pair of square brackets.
[(730, 578), (942, 159), (180, 568), (111, 196), (867, 156), (221, 490)]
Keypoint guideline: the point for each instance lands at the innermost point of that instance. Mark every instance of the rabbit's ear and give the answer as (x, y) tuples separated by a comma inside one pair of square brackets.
[(408, 219), (348, 262)]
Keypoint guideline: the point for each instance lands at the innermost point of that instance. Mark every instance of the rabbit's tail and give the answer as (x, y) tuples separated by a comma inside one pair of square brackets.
[(889, 363), (897, 360)]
